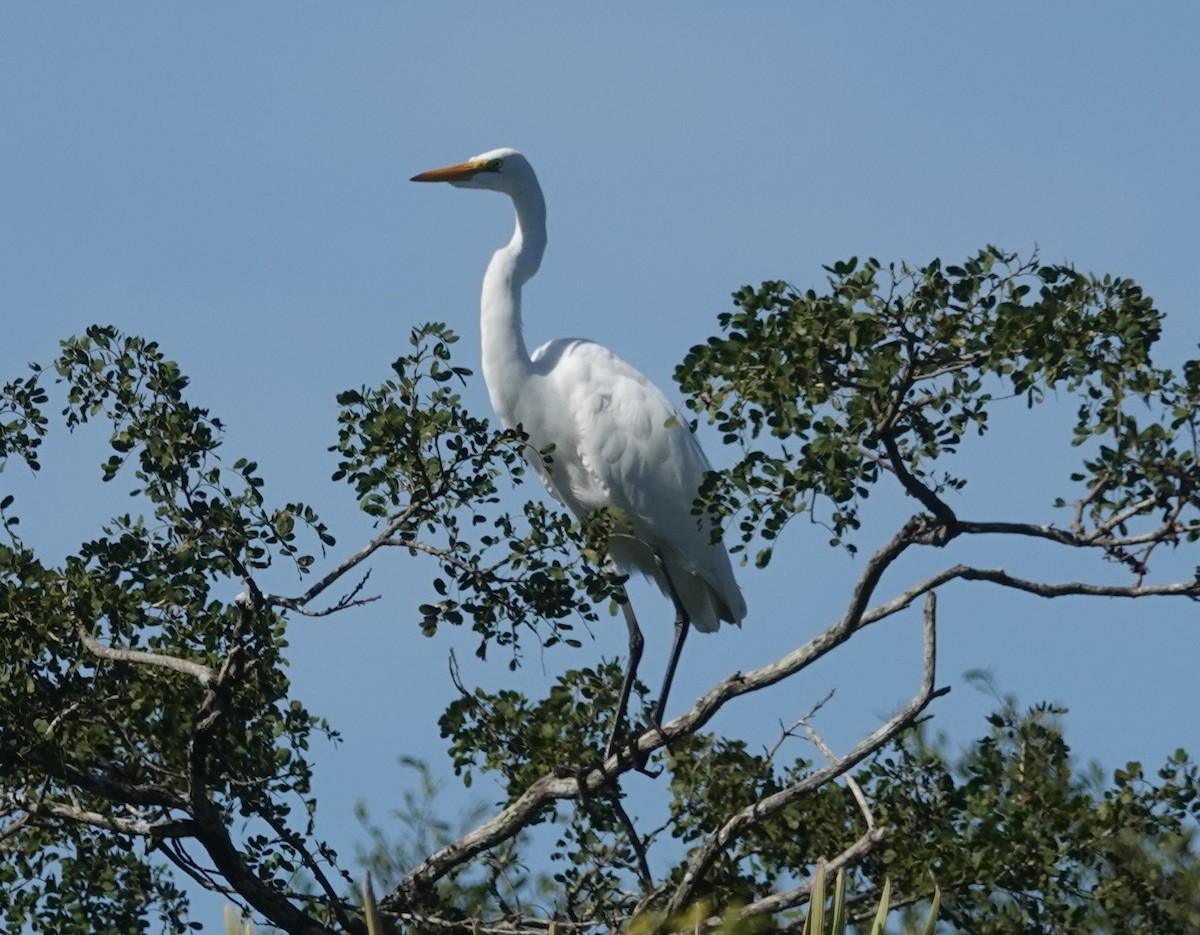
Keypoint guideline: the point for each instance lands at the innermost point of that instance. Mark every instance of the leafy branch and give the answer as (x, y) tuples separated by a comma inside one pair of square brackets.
[(137, 705)]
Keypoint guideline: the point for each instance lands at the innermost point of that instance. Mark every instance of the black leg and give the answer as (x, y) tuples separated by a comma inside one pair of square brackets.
[(635, 656), (682, 625)]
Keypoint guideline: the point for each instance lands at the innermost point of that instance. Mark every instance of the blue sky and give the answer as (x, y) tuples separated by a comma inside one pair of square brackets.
[(231, 181)]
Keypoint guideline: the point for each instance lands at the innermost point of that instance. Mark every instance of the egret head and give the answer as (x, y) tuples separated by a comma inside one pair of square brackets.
[(502, 170)]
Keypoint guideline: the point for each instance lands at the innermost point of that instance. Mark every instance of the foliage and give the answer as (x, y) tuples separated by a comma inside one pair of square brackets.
[(888, 372), (1020, 840), (500, 880), (137, 704), (1017, 837), (180, 721), (419, 461)]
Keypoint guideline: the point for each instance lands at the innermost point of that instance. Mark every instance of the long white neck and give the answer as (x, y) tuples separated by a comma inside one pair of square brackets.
[(506, 364)]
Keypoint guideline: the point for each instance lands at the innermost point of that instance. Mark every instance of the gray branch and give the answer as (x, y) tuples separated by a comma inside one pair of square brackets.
[(742, 820), (136, 827), (202, 673)]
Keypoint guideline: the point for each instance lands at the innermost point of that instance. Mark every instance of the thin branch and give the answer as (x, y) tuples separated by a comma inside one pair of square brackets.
[(202, 673), (162, 828), (338, 571), (345, 601), (745, 818), (639, 849), (14, 826), (173, 850), (788, 732), (923, 494), (851, 782), (293, 840), (778, 902), (1097, 538), (1094, 492), (1190, 589)]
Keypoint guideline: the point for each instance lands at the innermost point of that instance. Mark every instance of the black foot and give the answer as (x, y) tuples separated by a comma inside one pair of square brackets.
[(624, 744)]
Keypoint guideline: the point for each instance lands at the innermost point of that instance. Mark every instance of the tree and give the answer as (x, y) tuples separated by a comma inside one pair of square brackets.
[(139, 708)]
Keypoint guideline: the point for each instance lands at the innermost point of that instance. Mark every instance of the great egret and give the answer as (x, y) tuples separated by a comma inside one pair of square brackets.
[(615, 441)]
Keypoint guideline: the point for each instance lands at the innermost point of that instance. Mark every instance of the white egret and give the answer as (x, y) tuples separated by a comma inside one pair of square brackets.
[(615, 441)]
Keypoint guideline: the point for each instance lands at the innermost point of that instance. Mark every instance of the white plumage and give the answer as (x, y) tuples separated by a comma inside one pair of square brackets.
[(614, 439), (619, 443)]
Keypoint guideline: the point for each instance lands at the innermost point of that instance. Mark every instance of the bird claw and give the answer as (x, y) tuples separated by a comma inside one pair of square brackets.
[(623, 743), (583, 793)]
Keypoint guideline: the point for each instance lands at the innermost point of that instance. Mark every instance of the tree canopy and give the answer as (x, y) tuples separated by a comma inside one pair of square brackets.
[(140, 708)]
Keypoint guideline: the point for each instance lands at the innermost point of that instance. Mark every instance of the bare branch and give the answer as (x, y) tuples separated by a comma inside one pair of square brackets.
[(1098, 538), (202, 673), (740, 821), (778, 902), (851, 782), (1190, 589), (802, 721), (395, 523), (135, 827)]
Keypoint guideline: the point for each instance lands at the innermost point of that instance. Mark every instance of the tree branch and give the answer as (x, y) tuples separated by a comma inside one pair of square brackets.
[(919, 530), (202, 673), (779, 902), (135, 827), (1097, 538), (339, 571), (742, 820), (210, 822), (508, 822), (923, 494)]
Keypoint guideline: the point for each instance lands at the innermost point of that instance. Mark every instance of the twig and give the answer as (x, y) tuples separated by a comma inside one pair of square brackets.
[(639, 849), (173, 849), (851, 782), (338, 571), (787, 732)]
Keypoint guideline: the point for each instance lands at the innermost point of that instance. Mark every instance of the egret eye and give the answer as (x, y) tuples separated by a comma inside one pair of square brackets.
[(495, 165)]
